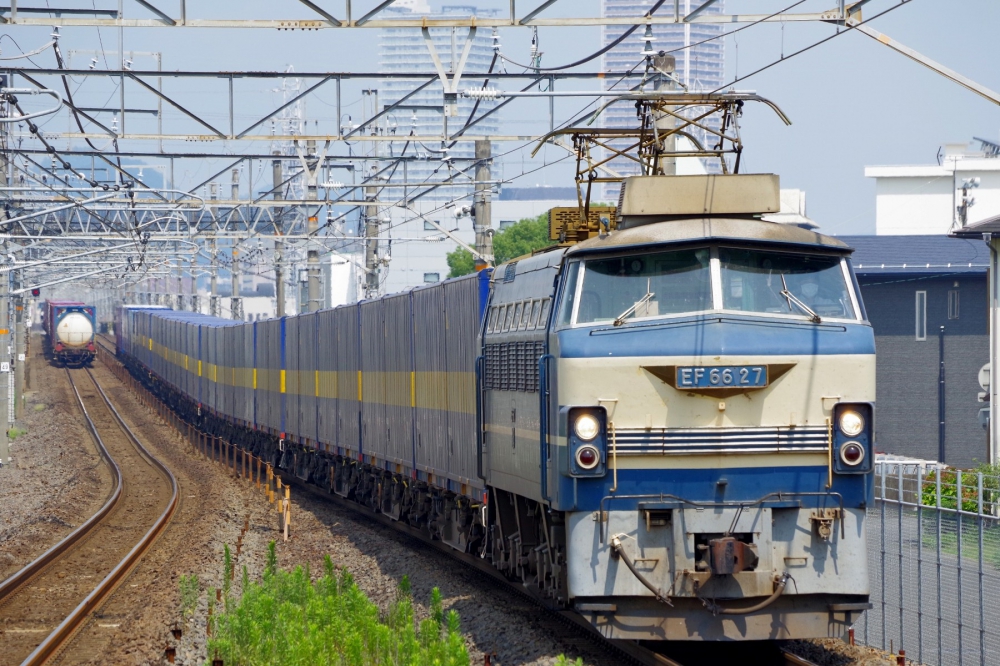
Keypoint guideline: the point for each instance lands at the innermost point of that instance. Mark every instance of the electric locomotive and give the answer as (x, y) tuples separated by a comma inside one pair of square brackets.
[(691, 458)]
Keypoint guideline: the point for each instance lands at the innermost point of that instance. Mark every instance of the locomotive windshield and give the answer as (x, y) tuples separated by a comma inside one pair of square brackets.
[(761, 281), (637, 286)]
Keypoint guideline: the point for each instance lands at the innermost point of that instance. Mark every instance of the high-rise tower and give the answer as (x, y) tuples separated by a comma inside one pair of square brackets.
[(698, 49), (404, 50)]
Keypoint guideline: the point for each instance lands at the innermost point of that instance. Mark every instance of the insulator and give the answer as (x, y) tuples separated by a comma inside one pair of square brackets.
[(482, 93)]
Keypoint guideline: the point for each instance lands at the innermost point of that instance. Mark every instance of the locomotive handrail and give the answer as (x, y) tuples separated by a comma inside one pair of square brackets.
[(480, 360), (543, 420), (722, 503)]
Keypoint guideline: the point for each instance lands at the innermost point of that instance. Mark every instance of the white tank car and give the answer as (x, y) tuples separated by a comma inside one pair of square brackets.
[(74, 330)]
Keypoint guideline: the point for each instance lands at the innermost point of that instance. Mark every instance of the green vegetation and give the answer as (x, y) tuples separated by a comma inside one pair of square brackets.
[(190, 587), (517, 240), (970, 488), (16, 432), (39, 407), (287, 619)]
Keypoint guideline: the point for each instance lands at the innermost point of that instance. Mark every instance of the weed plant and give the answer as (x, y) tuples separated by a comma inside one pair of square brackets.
[(287, 619), (190, 587)]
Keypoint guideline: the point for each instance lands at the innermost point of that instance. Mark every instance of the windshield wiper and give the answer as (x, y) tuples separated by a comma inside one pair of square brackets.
[(815, 318), (620, 319)]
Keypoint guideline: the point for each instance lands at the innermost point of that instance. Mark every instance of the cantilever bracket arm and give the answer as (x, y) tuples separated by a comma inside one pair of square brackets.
[(319, 10), (158, 12), (946, 72), (452, 85)]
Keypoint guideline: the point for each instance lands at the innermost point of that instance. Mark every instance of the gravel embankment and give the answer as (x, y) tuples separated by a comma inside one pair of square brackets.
[(57, 479)]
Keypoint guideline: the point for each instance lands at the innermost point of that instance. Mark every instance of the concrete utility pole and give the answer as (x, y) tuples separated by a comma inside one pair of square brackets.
[(312, 228), (213, 282), (195, 300), (666, 65), (235, 302), (5, 374), (483, 214), (371, 244), (20, 351), (279, 246), (180, 277)]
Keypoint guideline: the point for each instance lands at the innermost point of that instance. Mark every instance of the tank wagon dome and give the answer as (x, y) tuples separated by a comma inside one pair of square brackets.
[(74, 330)]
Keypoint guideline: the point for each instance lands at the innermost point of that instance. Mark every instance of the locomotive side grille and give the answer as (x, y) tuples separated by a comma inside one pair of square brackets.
[(714, 440), (513, 366)]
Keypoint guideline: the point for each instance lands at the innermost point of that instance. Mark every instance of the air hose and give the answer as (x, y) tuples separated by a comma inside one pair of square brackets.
[(719, 610), (619, 551)]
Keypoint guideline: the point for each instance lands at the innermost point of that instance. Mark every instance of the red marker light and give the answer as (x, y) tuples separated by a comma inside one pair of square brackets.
[(852, 453), (587, 457)]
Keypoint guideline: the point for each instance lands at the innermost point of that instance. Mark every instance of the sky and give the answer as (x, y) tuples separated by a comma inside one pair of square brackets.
[(852, 101)]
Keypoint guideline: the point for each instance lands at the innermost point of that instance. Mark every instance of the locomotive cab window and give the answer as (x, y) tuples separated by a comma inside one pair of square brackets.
[(789, 284), (621, 289), (639, 286)]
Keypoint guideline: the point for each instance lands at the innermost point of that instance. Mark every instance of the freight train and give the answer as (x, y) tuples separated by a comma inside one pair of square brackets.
[(69, 332), (667, 428)]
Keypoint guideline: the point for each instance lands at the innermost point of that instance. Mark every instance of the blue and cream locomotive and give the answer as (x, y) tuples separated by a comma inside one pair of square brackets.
[(666, 427)]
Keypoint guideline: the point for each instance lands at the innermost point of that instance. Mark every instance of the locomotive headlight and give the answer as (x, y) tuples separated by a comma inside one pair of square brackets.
[(852, 453), (587, 457), (851, 423), (586, 427)]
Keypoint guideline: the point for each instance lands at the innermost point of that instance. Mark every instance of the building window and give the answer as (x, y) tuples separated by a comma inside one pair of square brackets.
[(921, 315), (428, 226), (432, 277), (953, 301), (506, 223)]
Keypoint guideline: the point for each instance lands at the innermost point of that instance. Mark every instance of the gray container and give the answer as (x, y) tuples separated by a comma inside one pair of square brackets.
[(325, 362), (461, 307), (430, 380), (347, 322), (374, 427), (398, 379)]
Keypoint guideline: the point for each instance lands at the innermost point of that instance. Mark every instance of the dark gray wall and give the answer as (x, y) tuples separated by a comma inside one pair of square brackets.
[(907, 369)]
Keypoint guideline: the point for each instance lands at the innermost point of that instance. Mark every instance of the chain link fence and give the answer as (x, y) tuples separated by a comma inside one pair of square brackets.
[(934, 564)]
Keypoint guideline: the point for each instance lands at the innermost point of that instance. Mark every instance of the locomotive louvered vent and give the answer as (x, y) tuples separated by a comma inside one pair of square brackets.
[(509, 272), (513, 366)]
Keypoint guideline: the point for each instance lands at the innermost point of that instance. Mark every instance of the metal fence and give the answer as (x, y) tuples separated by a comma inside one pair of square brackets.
[(934, 565)]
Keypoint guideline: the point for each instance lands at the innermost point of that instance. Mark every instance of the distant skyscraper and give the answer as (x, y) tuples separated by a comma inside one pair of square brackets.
[(404, 50), (700, 66)]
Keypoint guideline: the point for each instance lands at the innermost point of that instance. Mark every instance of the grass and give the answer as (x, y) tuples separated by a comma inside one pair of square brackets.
[(288, 619), (15, 432), (190, 587), (39, 407)]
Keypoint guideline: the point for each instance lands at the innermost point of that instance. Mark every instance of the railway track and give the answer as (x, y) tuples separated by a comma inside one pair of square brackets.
[(50, 599)]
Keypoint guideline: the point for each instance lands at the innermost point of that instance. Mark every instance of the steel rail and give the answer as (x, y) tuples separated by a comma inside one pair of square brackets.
[(68, 627), (19, 578)]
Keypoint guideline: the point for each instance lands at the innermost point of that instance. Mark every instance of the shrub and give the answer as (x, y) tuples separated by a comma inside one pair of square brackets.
[(286, 619), (950, 479)]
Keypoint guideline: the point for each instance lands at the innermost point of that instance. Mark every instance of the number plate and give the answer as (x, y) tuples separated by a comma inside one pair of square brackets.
[(721, 376)]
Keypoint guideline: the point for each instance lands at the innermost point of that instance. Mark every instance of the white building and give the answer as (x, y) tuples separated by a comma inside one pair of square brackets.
[(931, 199)]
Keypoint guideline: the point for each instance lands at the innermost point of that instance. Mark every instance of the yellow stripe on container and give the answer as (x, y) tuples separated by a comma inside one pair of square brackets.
[(282, 381)]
